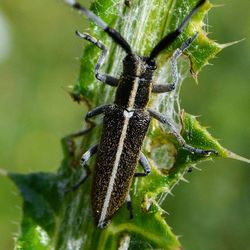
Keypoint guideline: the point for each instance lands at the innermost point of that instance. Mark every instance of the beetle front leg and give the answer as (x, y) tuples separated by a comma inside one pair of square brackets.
[(179, 138), (110, 80), (163, 88), (145, 164)]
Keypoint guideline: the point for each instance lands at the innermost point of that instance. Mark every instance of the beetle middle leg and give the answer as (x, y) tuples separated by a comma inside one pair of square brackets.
[(68, 141), (163, 88), (179, 138), (88, 154), (110, 80)]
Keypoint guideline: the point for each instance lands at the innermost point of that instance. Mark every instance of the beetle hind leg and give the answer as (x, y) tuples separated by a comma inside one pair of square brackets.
[(129, 206), (85, 157), (145, 164), (178, 137), (80, 181)]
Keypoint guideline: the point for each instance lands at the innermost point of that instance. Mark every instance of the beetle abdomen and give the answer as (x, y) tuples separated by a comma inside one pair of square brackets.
[(118, 154)]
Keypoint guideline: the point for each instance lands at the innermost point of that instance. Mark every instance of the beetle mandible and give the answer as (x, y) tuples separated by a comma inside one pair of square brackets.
[(126, 122)]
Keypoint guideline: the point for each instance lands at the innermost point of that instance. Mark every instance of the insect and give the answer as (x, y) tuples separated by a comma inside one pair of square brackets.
[(126, 121)]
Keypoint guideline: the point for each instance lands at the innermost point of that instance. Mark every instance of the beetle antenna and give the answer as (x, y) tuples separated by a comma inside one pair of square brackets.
[(170, 38), (116, 36)]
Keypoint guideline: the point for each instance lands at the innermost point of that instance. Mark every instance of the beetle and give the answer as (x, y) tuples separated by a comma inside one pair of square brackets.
[(126, 121)]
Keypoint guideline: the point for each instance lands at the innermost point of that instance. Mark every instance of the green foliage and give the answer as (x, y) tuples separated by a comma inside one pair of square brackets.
[(55, 219)]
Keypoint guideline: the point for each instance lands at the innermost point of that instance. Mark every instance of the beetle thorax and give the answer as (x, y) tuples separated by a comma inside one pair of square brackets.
[(135, 83), (137, 66)]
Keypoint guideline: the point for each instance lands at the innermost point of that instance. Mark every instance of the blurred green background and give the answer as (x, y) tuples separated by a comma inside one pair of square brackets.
[(39, 57)]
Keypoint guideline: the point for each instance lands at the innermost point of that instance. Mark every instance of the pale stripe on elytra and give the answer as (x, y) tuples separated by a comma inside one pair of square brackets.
[(127, 116)]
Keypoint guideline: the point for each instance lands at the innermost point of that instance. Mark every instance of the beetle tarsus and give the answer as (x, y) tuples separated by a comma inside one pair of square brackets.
[(198, 150)]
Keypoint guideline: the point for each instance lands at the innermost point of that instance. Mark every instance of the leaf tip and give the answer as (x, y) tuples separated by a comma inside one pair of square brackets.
[(234, 156), (217, 5), (225, 45)]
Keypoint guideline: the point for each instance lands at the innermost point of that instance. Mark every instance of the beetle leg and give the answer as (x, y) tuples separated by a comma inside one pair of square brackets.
[(85, 157), (110, 80), (69, 146), (68, 141), (163, 88), (129, 206), (179, 138), (80, 181), (145, 164), (97, 111)]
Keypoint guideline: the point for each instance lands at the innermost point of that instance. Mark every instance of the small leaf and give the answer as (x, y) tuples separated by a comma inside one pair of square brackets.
[(41, 205)]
